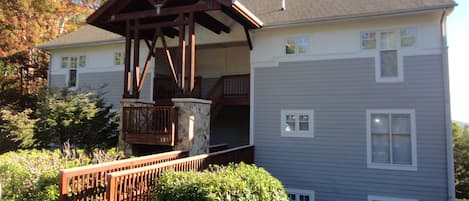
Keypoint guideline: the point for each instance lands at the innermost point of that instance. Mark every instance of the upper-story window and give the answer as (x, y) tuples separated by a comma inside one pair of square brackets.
[(297, 123), (389, 61), (82, 61), (391, 139), (117, 58), (297, 45)]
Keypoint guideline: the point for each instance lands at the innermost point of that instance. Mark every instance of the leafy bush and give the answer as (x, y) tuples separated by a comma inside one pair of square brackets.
[(34, 174), (234, 182), (461, 161)]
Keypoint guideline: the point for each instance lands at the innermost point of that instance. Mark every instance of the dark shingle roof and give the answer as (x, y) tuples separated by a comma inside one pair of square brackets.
[(318, 10), (85, 35), (297, 11)]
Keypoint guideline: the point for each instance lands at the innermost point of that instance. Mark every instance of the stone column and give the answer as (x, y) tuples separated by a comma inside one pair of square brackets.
[(193, 131)]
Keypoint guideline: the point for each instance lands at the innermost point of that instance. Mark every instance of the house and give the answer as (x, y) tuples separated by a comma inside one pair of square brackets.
[(343, 100)]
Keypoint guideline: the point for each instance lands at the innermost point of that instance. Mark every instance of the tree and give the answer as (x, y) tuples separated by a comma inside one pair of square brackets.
[(82, 119), (461, 161)]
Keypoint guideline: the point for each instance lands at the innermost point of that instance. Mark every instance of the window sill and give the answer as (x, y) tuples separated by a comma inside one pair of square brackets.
[(298, 135), (392, 167)]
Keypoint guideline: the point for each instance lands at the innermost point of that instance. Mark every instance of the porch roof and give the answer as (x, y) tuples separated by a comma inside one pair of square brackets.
[(114, 15)]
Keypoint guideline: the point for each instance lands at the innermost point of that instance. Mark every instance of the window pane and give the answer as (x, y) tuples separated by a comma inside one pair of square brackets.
[(291, 123), (304, 122), (292, 197), (401, 149), (73, 78), (408, 37), (401, 124), (368, 40), (290, 47), (380, 148), (117, 58), (302, 44), (82, 61), (388, 40), (64, 62), (304, 198), (380, 123), (388, 63), (73, 62)]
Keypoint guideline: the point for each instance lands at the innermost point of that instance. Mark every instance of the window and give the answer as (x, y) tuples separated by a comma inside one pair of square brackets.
[(379, 198), (391, 139), (297, 123), (64, 63), (82, 61), (389, 64), (300, 195), (117, 58), (298, 45)]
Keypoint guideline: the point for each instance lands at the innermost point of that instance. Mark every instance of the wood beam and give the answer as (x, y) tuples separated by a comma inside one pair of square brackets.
[(151, 53), (165, 24), (211, 23), (128, 47), (191, 52), (199, 7), (182, 56), (248, 36), (135, 81), (168, 56), (170, 31)]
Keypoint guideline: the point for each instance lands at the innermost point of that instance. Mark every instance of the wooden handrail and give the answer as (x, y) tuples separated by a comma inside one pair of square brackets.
[(90, 181), (138, 184)]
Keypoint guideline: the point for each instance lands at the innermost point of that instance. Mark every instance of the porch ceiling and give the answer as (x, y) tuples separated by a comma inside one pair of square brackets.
[(114, 14)]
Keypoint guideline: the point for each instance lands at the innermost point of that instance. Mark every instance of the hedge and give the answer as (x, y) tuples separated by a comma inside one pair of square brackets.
[(238, 182)]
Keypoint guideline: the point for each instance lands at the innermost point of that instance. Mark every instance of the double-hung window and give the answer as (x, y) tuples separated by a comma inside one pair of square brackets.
[(297, 123), (117, 58), (380, 198), (388, 45), (297, 45), (72, 75), (391, 139), (300, 195)]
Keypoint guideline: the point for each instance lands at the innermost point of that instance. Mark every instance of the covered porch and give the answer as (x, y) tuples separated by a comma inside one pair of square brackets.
[(179, 67)]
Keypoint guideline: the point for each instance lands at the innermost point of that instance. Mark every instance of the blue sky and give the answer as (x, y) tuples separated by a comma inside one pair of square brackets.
[(458, 42)]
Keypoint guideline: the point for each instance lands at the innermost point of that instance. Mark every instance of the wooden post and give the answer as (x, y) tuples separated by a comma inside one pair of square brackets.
[(63, 186), (128, 47), (135, 93), (191, 52), (182, 51)]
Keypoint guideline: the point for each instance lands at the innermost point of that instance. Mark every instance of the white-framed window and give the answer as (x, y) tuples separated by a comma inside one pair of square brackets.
[(297, 45), (391, 139), (297, 123), (381, 198), (118, 58), (389, 65), (82, 61), (300, 195), (64, 62)]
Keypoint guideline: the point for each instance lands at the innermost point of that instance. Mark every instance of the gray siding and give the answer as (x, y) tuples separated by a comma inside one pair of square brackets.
[(57, 81), (113, 82), (333, 163)]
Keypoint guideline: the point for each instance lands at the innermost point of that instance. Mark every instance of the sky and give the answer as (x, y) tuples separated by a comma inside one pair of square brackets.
[(458, 42)]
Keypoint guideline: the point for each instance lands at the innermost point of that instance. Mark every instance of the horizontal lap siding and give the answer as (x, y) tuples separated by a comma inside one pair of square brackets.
[(333, 163), (57, 81), (113, 82)]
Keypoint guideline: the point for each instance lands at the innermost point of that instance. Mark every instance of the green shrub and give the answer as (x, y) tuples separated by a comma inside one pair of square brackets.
[(34, 174), (238, 182)]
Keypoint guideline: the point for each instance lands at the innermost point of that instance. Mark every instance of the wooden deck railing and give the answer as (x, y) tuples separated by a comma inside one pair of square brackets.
[(156, 125), (226, 88), (89, 183), (138, 184)]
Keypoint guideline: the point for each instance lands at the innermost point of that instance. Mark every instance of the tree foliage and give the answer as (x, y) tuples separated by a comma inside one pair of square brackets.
[(82, 119), (461, 161)]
